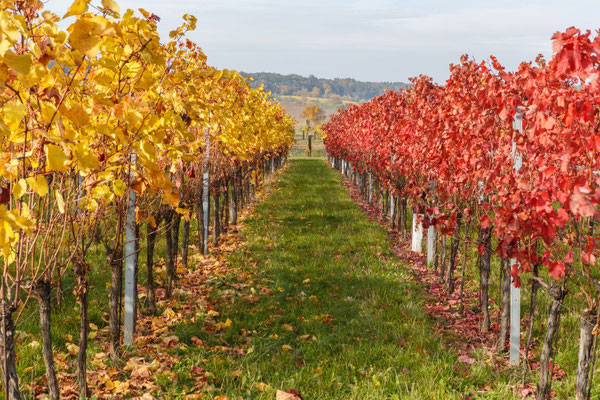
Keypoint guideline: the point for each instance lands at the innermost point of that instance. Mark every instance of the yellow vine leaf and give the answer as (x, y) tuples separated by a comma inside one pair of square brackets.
[(86, 34), (119, 187), (60, 202), (39, 185), (77, 8), (19, 63), (20, 188), (111, 5), (56, 160), (13, 115)]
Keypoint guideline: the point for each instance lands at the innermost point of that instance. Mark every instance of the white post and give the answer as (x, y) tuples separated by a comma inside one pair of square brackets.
[(431, 247), (417, 234), (515, 293), (392, 205), (129, 260), (206, 189)]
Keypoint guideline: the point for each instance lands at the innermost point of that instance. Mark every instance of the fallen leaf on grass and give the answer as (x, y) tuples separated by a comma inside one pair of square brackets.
[(262, 387), (281, 395), (146, 396), (223, 325), (73, 349), (465, 358), (525, 390)]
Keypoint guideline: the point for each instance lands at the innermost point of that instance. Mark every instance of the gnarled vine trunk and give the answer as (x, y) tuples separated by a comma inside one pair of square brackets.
[(169, 253), (175, 236), (185, 243), (10, 379), (505, 307), (532, 308), (485, 240), (454, 244), (42, 291), (557, 293), (216, 220), (151, 233), (81, 291), (442, 258), (586, 341)]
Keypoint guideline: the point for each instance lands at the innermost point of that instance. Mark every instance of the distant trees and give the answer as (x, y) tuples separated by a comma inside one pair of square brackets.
[(315, 92), (297, 85)]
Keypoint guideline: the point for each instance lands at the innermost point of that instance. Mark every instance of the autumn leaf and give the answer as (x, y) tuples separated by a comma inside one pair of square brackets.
[(223, 325), (19, 189), (39, 185), (60, 202), (19, 63), (111, 5), (73, 349), (281, 395), (77, 8), (86, 34), (56, 160)]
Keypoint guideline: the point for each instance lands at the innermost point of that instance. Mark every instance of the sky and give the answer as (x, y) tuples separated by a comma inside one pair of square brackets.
[(370, 40)]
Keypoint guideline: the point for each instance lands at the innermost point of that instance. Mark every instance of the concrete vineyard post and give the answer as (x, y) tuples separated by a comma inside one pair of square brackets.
[(206, 190), (431, 245), (129, 260), (417, 233), (515, 293)]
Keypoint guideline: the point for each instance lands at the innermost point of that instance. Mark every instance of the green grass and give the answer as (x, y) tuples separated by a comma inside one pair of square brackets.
[(333, 279), (300, 148), (359, 327)]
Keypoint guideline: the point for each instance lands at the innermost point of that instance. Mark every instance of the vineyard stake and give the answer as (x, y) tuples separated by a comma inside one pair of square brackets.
[(206, 189), (515, 292), (417, 233), (129, 259), (431, 247)]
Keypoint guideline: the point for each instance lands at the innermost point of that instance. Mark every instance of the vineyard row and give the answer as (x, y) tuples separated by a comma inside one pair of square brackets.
[(512, 156), (107, 131)]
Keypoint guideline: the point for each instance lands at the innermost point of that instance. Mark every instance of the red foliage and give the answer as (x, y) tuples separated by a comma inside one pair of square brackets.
[(460, 136)]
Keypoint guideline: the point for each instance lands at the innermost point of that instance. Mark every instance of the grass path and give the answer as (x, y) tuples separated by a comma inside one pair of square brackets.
[(328, 312)]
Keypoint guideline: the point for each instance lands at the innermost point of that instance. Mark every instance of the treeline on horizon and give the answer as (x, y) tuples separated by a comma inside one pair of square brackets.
[(311, 86)]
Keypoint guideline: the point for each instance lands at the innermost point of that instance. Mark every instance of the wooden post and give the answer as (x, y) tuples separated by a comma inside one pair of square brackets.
[(515, 293), (129, 259)]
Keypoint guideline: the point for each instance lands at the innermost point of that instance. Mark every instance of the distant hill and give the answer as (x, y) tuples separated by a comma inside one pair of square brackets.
[(311, 86)]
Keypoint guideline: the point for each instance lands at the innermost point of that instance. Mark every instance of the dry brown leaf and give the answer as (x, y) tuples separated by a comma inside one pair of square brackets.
[(281, 395)]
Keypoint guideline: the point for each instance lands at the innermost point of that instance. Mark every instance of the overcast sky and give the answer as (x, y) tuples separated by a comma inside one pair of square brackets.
[(376, 40)]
